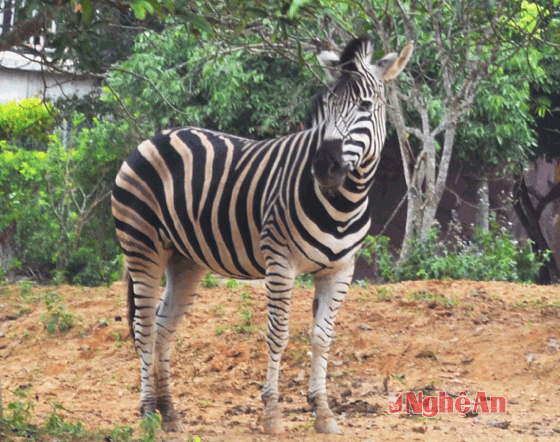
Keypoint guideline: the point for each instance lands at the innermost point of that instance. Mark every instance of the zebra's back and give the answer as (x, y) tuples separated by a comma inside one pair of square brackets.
[(205, 193)]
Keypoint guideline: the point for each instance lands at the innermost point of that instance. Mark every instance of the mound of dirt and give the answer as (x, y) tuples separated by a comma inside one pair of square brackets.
[(456, 338)]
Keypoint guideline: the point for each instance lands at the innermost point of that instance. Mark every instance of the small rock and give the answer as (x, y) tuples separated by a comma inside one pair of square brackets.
[(299, 378), (356, 384), (552, 343), (530, 358), (504, 425), (346, 393), (426, 354), (364, 327), (420, 430), (544, 433), (238, 410), (85, 347)]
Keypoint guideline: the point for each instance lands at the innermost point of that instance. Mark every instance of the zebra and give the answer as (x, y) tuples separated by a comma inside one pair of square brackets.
[(189, 200)]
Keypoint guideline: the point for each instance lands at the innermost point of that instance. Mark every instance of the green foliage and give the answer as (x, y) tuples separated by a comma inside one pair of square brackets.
[(57, 318), (220, 330), (57, 199), (150, 425), (17, 418), (119, 433), (304, 281), (55, 425), (15, 424), (174, 78), (27, 123), (490, 256), (375, 251), (210, 281), (427, 296), (246, 310), (232, 283)]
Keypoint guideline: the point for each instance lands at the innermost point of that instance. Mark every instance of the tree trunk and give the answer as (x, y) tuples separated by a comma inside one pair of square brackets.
[(483, 204)]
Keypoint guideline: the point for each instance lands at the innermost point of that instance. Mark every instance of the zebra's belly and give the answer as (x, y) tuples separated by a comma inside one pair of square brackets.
[(224, 249)]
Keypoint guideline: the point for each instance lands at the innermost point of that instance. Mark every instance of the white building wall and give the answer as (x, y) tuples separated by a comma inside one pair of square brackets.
[(23, 78)]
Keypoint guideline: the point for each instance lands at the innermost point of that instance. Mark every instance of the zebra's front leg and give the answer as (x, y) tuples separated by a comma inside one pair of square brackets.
[(279, 284), (329, 294)]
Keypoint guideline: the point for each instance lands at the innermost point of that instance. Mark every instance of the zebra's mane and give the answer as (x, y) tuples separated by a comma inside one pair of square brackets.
[(361, 47), (358, 48)]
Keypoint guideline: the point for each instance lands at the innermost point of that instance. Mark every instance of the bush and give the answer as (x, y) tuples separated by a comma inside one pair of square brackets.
[(57, 199), (27, 123), (491, 256)]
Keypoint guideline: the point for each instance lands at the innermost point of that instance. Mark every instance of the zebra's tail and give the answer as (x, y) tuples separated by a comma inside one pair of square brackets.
[(130, 303)]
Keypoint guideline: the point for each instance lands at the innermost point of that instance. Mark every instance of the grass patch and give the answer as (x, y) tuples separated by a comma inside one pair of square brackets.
[(57, 318), (221, 329), (217, 310), (232, 284), (245, 308), (210, 281), (383, 294), (434, 298), (304, 281)]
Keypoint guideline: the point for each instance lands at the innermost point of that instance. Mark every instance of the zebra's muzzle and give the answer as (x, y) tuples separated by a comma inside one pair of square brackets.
[(328, 166)]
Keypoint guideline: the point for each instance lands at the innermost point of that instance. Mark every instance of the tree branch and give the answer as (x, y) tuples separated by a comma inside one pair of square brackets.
[(24, 30)]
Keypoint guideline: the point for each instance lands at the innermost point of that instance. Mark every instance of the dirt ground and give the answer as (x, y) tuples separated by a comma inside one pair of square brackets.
[(451, 336)]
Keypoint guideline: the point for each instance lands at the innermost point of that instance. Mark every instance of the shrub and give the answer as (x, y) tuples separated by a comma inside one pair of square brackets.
[(57, 199), (490, 256), (27, 123)]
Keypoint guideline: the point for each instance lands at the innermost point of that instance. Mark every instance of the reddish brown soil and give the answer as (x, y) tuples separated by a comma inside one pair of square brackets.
[(453, 336)]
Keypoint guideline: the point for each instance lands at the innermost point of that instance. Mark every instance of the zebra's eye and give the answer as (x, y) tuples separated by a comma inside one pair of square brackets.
[(366, 105)]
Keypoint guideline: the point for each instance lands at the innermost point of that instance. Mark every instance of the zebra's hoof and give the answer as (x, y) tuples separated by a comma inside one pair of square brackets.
[(272, 425), (172, 426), (326, 425)]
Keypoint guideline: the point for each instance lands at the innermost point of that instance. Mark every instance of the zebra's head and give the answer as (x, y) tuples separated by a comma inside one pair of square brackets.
[(352, 110)]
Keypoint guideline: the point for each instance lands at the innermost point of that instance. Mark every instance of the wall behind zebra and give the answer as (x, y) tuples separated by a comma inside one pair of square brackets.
[(458, 203)]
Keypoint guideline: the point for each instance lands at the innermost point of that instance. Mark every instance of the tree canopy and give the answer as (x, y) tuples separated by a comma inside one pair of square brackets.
[(481, 87)]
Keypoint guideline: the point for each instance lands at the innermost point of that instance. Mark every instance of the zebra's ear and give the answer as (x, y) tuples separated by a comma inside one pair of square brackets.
[(328, 60), (392, 64)]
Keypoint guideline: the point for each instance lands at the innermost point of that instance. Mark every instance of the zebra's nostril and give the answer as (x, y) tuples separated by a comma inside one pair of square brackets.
[(334, 168)]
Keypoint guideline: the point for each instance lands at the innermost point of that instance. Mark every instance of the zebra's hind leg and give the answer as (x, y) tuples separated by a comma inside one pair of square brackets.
[(145, 272), (279, 284), (183, 278), (330, 291)]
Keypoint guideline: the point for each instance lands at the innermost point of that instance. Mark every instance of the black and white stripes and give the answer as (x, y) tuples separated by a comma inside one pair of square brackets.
[(190, 199)]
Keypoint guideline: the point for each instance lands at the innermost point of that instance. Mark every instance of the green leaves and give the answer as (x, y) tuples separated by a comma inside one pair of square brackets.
[(491, 256), (57, 197), (176, 78), (154, 7), (28, 122), (295, 6)]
